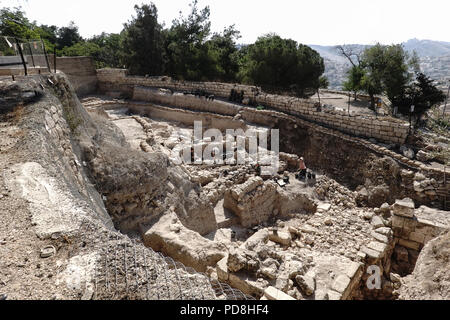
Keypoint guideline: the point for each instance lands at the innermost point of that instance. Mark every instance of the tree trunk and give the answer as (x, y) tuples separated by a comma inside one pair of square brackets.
[(372, 101)]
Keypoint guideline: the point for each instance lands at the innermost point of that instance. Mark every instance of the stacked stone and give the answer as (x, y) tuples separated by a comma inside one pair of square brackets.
[(432, 189), (411, 231), (253, 201), (384, 129)]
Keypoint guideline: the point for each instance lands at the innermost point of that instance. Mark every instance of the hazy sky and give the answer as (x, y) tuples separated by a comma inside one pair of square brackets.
[(326, 22)]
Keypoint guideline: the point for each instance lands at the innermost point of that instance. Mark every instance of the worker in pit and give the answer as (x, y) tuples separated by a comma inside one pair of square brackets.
[(302, 168)]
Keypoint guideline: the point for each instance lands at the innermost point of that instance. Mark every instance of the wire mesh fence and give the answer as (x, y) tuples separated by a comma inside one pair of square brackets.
[(126, 269), (28, 55)]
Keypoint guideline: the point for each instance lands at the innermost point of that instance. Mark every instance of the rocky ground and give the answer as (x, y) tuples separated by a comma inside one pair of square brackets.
[(318, 238), (22, 269), (56, 239), (314, 249), (70, 179), (431, 277)]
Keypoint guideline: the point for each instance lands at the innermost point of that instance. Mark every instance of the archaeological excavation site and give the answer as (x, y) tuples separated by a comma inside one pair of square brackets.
[(98, 202)]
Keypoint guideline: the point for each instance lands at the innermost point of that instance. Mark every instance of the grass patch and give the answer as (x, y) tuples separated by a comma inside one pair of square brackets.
[(73, 120)]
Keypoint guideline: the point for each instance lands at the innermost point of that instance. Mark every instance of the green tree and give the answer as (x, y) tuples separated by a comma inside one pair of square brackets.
[(276, 63), (323, 82), (188, 55), (381, 69), (354, 81), (143, 42), (356, 74), (422, 93), (49, 35), (68, 36), (110, 53), (85, 48), (14, 23), (374, 64), (226, 54), (396, 74)]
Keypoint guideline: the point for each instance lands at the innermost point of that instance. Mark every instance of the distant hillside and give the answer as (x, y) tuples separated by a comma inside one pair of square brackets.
[(330, 53), (434, 57), (428, 48)]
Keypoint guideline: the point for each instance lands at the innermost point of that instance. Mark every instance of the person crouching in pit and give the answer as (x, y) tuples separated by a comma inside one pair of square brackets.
[(302, 168)]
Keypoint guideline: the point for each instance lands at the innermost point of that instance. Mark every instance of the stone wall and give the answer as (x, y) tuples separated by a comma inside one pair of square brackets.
[(253, 202), (257, 201), (80, 71), (116, 82), (384, 129), (414, 228), (348, 159), (184, 101), (430, 188), (186, 117)]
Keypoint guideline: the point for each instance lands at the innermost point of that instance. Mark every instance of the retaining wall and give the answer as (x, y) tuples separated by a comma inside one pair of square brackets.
[(384, 129), (80, 71), (413, 230)]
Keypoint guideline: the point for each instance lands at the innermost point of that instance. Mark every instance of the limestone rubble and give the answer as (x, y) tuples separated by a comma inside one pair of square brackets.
[(272, 237), (301, 240)]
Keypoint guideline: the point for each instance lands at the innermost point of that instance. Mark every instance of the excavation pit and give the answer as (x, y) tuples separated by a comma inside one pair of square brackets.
[(312, 240), (272, 237)]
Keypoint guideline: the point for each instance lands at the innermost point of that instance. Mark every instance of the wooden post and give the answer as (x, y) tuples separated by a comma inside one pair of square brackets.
[(21, 56), (54, 58), (46, 57)]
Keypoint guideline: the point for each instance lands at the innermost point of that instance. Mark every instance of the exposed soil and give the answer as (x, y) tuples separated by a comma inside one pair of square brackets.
[(72, 175)]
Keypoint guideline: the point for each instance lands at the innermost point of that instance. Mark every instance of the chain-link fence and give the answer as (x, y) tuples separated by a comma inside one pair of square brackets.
[(125, 269), (23, 56)]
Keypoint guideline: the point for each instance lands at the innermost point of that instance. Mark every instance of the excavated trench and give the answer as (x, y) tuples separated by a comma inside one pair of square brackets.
[(231, 223), (270, 236)]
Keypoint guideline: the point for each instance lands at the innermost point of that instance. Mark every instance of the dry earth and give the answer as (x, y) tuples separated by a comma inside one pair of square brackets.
[(72, 175)]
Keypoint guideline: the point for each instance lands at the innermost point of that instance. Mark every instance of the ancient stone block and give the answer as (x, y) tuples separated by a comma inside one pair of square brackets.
[(377, 222), (404, 208), (307, 283), (281, 237), (409, 224), (341, 283), (253, 202), (378, 246), (273, 293), (417, 237), (323, 207), (384, 231), (222, 269), (333, 295), (379, 237), (397, 221), (410, 244)]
